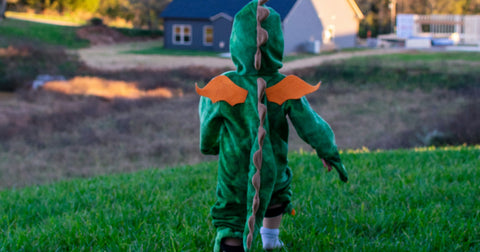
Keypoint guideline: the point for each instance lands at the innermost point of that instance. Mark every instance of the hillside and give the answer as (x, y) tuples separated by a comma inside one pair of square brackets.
[(424, 198), (386, 102), (88, 172)]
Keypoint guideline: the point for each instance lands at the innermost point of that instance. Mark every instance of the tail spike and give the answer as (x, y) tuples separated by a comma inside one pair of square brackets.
[(262, 36), (258, 59), (262, 14)]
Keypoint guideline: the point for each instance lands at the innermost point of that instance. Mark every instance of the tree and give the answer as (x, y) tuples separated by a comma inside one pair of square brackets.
[(471, 7), (116, 8), (378, 16), (146, 12), (3, 8)]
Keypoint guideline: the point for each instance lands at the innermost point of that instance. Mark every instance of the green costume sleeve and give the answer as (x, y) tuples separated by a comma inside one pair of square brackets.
[(211, 122), (316, 132)]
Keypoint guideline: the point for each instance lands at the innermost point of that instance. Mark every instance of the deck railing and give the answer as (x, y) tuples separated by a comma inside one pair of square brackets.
[(465, 29)]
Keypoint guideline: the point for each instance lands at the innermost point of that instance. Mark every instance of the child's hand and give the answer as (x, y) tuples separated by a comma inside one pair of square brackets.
[(327, 165)]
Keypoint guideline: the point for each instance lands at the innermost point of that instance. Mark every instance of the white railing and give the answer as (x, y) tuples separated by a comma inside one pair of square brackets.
[(463, 29), (471, 34)]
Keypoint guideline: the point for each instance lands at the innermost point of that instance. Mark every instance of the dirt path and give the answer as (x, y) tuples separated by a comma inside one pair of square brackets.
[(113, 57), (317, 60)]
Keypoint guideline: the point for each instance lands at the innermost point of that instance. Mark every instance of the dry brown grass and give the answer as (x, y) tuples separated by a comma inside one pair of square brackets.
[(45, 137), (108, 89), (23, 61), (377, 118), (99, 137)]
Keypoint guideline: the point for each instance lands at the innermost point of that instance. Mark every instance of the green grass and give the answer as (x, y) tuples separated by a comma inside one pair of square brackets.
[(133, 32), (432, 56), (425, 71), (425, 200), (300, 56), (41, 17), (19, 30), (160, 50)]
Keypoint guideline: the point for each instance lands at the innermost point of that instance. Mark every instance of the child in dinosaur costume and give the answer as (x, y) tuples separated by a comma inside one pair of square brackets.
[(243, 117)]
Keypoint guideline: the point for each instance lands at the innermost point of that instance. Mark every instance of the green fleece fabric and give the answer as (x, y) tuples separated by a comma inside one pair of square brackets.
[(231, 132)]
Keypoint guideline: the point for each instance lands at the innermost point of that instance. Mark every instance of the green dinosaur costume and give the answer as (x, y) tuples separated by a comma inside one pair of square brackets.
[(243, 117)]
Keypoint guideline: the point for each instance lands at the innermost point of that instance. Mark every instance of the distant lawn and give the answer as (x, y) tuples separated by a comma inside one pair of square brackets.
[(133, 32), (174, 52), (407, 70), (431, 56), (41, 17), (422, 200), (19, 30), (161, 50), (304, 55), (414, 56)]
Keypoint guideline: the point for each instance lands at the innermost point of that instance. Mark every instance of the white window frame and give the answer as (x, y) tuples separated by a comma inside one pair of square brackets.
[(182, 34), (205, 43)]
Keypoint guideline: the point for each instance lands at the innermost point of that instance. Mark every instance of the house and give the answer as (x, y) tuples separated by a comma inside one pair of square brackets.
[(311, 25), (458, 29)]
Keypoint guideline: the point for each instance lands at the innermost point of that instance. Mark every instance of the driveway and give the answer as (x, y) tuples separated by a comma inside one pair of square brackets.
[(113, 57)]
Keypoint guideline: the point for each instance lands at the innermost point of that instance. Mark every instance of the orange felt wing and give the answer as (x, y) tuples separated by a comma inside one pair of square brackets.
[(221, 88), (290, 88)]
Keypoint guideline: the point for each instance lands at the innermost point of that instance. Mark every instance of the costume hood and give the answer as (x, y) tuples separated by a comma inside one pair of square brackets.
[(243, 41)]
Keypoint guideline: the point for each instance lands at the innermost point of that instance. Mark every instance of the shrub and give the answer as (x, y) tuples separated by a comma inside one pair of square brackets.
[(21, 64), (461, 128), (464, 127), (96, 21)]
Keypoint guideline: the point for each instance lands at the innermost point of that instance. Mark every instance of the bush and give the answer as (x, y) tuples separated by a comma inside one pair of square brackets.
[(461, 128), (21, 64), (96, 21), (464, 127)]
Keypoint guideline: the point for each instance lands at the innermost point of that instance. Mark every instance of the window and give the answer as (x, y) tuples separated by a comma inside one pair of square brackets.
[(182, 34), (208, 35)]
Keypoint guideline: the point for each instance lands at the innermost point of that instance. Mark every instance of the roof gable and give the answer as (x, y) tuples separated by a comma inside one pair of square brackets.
[(356, 9), (205, 9)]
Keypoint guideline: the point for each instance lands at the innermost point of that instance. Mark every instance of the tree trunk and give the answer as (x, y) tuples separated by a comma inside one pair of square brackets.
[(3, 8)]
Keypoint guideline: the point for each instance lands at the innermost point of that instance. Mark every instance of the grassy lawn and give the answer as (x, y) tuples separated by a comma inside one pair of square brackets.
[(408, 57), (410, 70), (19, 30), (300, 56), (160, 50), (427, 199), (74, 21), (432, 56)]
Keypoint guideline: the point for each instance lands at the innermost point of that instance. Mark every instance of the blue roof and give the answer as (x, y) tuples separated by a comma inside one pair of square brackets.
[(204, 9)]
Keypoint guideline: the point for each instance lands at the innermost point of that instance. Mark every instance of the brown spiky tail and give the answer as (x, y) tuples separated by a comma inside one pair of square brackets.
[(262, 37)]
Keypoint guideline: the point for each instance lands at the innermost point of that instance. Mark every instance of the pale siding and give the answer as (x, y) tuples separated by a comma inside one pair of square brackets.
[(340, 16), (301, 25)]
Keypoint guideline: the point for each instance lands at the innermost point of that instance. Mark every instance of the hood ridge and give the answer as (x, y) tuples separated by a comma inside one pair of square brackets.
[(256, 43)]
